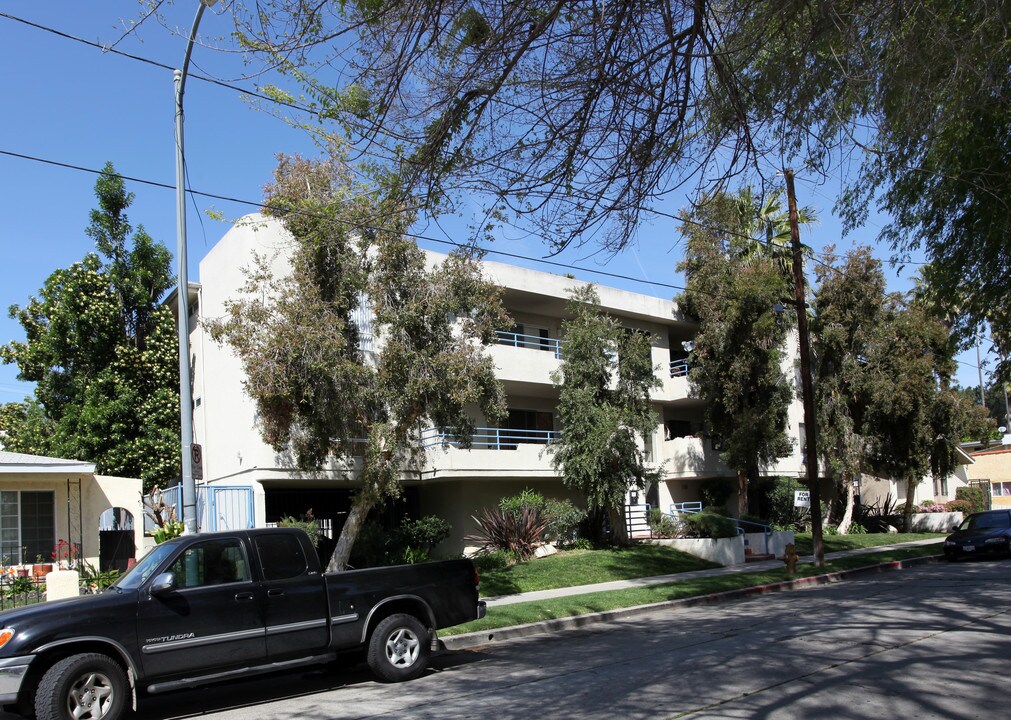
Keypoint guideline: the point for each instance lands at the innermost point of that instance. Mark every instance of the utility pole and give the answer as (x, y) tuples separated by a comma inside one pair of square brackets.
[(807, 385)]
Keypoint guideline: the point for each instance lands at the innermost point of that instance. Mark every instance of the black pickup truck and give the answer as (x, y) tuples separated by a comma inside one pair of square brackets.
[(206, 608)]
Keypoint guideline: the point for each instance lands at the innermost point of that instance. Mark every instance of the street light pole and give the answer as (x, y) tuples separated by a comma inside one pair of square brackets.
[(185, 387)]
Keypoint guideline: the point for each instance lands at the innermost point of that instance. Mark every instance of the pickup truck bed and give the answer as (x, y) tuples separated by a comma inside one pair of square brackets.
[(208, 608)]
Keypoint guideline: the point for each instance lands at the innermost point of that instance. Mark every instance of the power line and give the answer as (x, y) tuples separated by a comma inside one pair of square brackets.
[(155, 63), (415, 236)]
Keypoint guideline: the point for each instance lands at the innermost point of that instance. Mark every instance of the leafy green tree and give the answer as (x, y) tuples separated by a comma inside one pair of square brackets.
[(321, 397), (24, 427), (914, 419), (603, 382), (736, 361), (993, 393), (849, 304), (102, 350), (920, 89)]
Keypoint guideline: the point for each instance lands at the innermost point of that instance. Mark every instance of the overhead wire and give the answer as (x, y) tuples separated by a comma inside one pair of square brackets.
[(301, 108)]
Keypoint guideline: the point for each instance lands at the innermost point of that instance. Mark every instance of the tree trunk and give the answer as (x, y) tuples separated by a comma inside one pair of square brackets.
[(742, 493), (907, 516), (349, 533), (847, 517), (619, 533)]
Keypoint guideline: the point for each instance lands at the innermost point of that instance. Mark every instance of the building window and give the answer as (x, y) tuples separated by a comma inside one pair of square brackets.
[(27, 525), (530, 426)]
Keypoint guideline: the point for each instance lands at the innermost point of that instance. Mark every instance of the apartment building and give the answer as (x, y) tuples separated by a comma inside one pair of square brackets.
[(453, 482)]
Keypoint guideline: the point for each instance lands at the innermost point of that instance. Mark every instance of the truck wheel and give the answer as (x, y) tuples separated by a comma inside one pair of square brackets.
[(399, 648), (82, 687)]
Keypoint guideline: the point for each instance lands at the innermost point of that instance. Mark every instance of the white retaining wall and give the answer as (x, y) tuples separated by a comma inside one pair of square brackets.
[(728, 551), (936, 522)]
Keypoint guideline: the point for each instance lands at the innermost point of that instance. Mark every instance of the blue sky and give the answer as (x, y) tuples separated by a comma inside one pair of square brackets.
[(71, 103)]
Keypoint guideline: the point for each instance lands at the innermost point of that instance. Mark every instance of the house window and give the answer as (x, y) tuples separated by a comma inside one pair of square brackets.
[(1000, 489), (27, 525)]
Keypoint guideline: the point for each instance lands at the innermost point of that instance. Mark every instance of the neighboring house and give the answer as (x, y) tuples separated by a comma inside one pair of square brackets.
[(60, 510), (992, 470), (874, 490), (454, 483)]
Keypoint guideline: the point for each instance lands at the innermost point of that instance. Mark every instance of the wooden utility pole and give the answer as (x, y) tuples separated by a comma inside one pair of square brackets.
[(807, 386)]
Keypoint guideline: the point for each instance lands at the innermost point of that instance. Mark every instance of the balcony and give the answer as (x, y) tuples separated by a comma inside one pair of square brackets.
[(530, 342), (527, 360), (688, 457), (490, 438), (494, 452)]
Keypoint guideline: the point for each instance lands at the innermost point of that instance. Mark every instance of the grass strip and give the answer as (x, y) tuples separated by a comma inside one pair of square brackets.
[(523, 613), (588, 567), (836, 543)]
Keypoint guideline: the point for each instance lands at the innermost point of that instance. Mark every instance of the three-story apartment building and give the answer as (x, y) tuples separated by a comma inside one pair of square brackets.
[(453, 482)]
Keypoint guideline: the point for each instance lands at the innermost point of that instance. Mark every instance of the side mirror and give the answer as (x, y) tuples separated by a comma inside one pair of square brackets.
[(163, 583)]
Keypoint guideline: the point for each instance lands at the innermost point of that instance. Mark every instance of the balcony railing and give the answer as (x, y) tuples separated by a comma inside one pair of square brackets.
[(490, 438), (532, 342), (679, 368)]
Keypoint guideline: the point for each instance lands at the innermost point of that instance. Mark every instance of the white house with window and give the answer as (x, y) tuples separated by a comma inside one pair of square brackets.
[(454, 482), (56, 511)]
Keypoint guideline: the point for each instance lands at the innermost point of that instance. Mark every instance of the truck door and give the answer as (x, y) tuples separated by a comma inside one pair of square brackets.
[(296, 604), (213, 619)]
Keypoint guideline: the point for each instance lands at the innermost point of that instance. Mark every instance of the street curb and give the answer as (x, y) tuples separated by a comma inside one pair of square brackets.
[(481, 638)]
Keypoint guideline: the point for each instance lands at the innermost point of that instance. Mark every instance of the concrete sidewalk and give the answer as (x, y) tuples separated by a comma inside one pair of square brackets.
[(664, 579)]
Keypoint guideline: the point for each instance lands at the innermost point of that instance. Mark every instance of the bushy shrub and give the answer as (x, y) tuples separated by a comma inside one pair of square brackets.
[(411, 542), (563, 520), (974, 496), (561, 517), (492, 560), (307, 523), (962, 506), (424, 533), (662, 525), (931, 507), (502, 530), (708, 524), (526, 499)]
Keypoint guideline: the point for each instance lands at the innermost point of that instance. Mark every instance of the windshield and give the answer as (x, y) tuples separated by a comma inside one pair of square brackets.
[(986, 521), (145, 567)]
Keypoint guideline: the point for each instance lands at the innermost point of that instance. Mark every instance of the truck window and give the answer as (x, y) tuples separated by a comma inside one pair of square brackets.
[(214, 562), (281, 556)]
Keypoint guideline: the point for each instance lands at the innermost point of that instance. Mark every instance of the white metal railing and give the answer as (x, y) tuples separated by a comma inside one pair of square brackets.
[(679, 368), (533, 342), (490, 438)]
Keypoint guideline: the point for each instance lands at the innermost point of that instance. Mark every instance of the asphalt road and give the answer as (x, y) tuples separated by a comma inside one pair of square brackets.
[(933, 641)]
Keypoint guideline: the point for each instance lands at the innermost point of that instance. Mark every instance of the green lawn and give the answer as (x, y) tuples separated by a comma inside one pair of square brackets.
[(522, 613), (586, 567), (835, 543)]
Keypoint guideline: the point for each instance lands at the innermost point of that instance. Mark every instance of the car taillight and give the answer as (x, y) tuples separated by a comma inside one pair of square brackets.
[(477, 579)]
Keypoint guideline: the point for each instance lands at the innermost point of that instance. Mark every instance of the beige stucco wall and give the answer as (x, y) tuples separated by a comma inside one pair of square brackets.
[(995, 466), (98, 494), (456, 501)]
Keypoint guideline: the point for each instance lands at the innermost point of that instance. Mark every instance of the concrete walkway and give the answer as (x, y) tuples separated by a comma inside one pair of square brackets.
[(665, 579)]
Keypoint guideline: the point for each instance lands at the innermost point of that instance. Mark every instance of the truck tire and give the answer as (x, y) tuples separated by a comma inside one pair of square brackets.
[(89, 686), (399, 648)]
